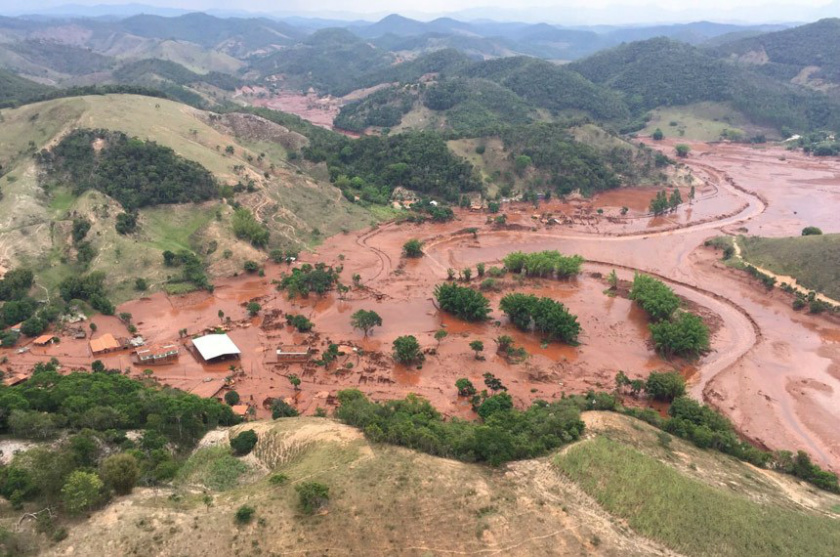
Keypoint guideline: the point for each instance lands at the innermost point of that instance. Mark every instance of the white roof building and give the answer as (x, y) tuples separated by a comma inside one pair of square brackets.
[(215, 346)]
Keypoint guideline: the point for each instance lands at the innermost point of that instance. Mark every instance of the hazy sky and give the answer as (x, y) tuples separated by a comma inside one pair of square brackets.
[(572, 11)]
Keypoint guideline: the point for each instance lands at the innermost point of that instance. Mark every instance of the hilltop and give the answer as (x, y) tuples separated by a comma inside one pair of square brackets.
[(392, 501)]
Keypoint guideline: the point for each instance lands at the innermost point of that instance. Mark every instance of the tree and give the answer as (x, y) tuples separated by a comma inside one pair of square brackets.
[(685, 335), (282, 409), (811, 231), (244, 443), (654, 296), (245, 513), (682, 150), (294, 380), (253, 308), (675, 199), (477, 346), (140, 284), (232, 398), (549, 317), (126, 223), (466, 274), (493, 206), (521, 164), (120, 472), (33, 326), (440, 334), (413, 248), (493, 383), (312, 496), (658, 135), (81, 491), (463, 302), (251, 266), (665, 386), (365, 320), (465, 387), (97, 366), (479, 269), (407, 350), (500, 402)]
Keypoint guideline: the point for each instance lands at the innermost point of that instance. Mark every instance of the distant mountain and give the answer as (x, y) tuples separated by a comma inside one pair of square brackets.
[(785, 54)]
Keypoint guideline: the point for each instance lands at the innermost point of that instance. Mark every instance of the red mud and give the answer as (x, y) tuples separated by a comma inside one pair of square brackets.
[(774, 372)]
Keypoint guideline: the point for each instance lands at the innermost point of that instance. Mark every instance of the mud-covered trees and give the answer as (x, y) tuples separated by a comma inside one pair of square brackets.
[(547, 317), (654, 296), (463, 302), (665, 386), (465, 387), (683, 335), (319, 278), (365, 320)]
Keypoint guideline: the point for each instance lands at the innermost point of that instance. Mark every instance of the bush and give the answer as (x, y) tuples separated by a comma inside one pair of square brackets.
[(465, 387), (312, 496), (299, 322), (413, 248), (141, 285), (244, 514), (81, 492), (120, 472), (246, 227), (244, 443), (407, 350), (253, 308), (686, 335), (278, 479), (665, 386), (463, 302), (811, 231), (251, 266)]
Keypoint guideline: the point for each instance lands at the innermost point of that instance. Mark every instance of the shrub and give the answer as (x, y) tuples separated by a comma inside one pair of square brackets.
[(253, 308), (465, 387), (282, 409), (278, 479), (244, 443), (811, 231), (413, 248), (81, 492), (251, 266), (299, 322), (120, 472), (463, 302), (244, 514), (140, 284), (312, 496)]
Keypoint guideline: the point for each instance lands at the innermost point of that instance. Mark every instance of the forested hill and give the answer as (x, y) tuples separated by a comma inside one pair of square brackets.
[(786, 53), (15, 89), (661, 72)]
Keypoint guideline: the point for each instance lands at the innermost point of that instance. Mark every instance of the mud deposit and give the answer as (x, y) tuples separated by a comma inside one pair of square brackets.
[(774, 372)]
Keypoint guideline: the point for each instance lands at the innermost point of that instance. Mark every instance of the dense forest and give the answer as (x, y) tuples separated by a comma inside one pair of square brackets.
[(134, 172), (15, 90), (149, 69)]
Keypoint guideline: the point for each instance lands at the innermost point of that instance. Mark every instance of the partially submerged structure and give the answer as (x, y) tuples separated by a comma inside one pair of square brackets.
[(293, 353), (104, 344), (215, 348), (157, 354)]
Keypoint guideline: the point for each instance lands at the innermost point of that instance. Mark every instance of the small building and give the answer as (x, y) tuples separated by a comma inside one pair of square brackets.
[(240, 410), (293, 353), (16, 328), (215, 347), (157, 354), (44, 340), (104, 344)]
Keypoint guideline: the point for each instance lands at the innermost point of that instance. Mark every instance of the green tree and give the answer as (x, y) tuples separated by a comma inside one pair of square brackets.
[(253, 308), (407, 350), (232, 398), (493, 383), (811, 231), (477, 346), (413, 248), (365, 320), (282, 409), (440, 334), (244, 443), (81, 492), (294, 380), (312, 496), (665, 386), (251, 266), (684, 335), (140, 284), (245, 513), (463, 302), (120, 472), (654, 296), (682, 150), (521, 164), (465, 387), (658, 135)]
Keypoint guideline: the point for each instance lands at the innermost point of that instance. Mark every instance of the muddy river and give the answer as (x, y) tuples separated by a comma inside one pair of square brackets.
[(773, 371)]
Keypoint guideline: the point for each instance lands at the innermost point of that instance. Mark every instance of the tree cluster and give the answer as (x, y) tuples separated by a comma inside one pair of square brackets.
[(463, 302), (307, 278), (549, 318), (549, 263)]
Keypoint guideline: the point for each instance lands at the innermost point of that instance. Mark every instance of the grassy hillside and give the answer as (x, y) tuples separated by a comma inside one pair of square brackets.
[(296, 208), (386, 500), (812, 260), (704, 121)]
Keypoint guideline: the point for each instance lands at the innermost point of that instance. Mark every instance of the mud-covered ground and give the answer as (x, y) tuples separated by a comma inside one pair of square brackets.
[(773, 371)]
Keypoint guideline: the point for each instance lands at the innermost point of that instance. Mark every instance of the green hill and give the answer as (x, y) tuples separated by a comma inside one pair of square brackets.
[(662, 72), (786, 53)]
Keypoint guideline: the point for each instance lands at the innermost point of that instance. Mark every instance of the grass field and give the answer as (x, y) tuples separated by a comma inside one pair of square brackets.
[(812, 260), (688, 515), (701, 121)]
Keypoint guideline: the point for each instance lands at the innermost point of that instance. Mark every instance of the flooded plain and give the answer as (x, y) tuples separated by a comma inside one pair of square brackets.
[(773, 371)]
